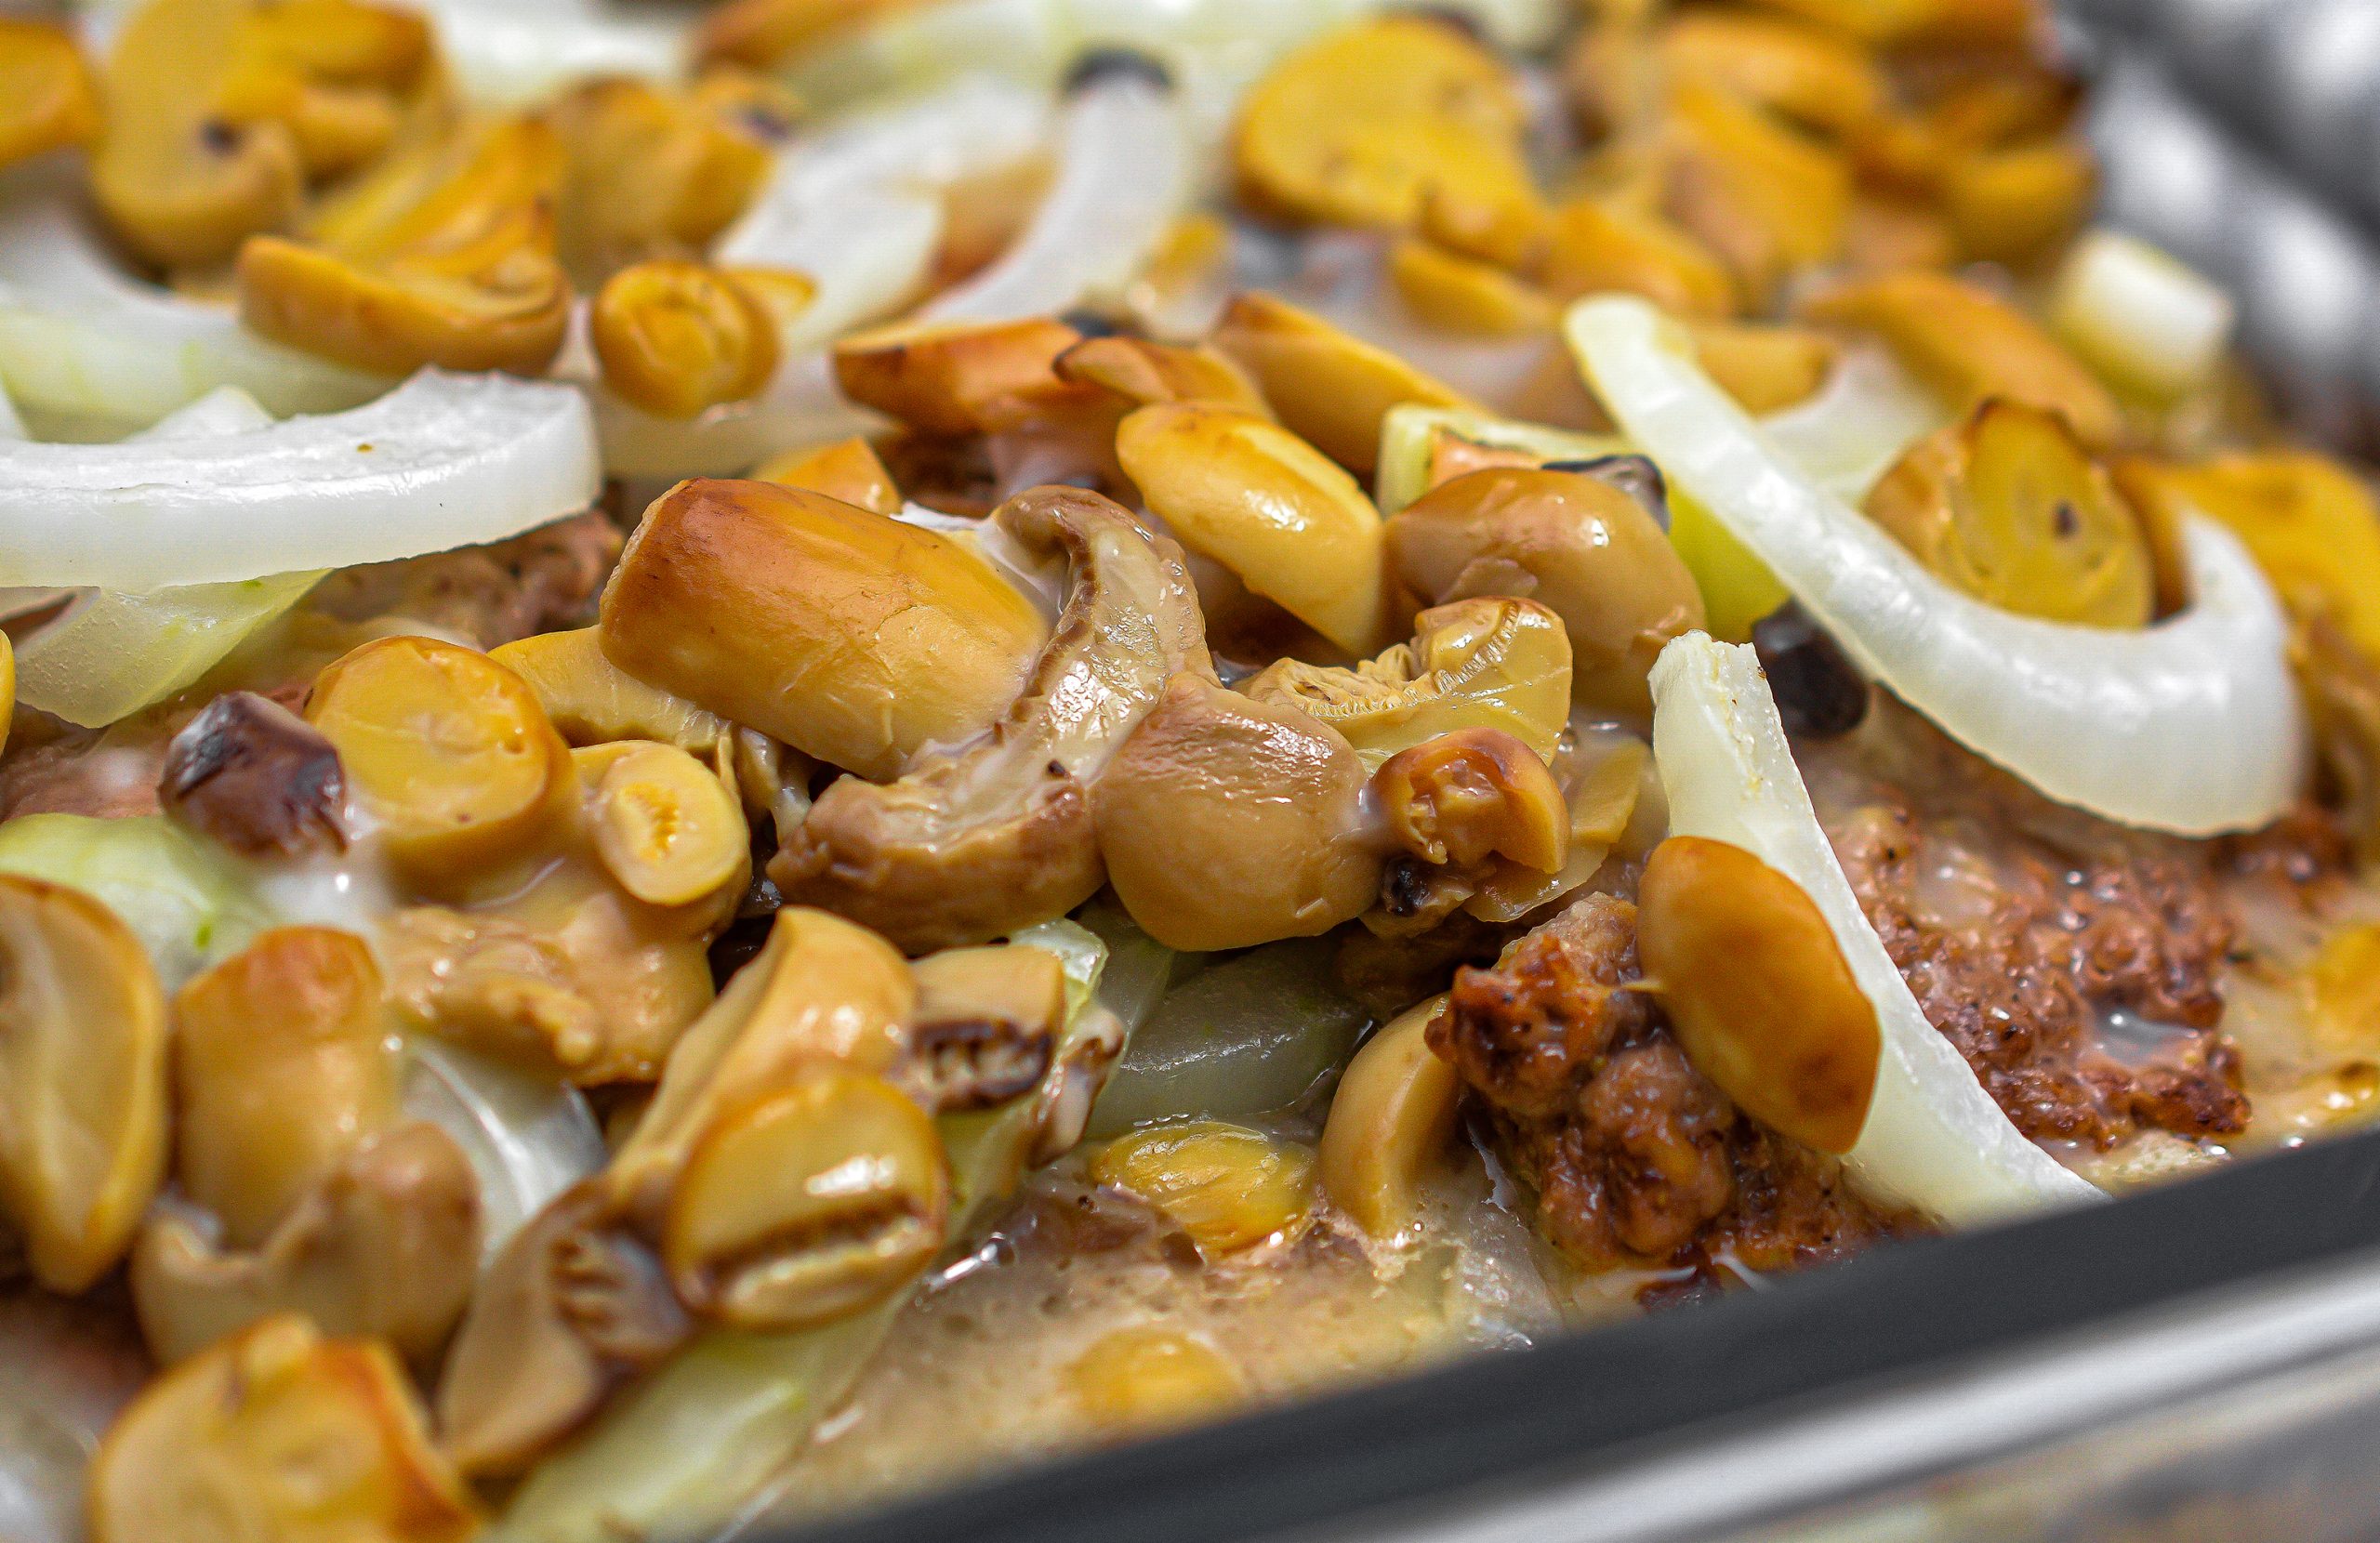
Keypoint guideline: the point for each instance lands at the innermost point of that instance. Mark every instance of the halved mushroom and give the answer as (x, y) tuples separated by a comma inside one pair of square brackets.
[(386, 1245), (807, 1203), (1288, 522), (668, 828), (985, 1023), (676, 338), (572, 1306), (441, 255), (277, 1432), (2008, 507), (49, 100), (1329, 387), (997, 835), (82, 1080), (857, 639), (219, 110), (449, 754), (283, 1064), (1572, 541), (1227, 822), (656, 172), (1143, 372), (961, 378), (590, 700), (1389, 1120), (1496, 663), (849, 469)]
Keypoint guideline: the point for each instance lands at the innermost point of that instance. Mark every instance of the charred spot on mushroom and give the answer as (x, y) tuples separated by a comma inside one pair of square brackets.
[(254, 777), (976, 1063), (1819, 694)]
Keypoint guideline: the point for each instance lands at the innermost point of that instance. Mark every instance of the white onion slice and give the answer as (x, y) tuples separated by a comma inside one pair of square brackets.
[(859, 211), (1934, 1139), (2192, 725), (1849, 435), (509, 54), (1123, 177), (442, 461), (82, 341), (114, 652), (2139, 315), (529, 1137)]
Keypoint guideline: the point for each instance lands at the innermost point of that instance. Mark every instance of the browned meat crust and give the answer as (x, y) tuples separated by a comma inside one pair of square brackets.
[(2074, 964), (1637, 1157)]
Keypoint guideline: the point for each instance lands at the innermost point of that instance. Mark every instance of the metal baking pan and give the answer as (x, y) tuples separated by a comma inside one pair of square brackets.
[(2214, 1344)]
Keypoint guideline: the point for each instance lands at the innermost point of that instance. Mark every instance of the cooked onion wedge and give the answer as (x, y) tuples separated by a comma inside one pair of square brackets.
[(2192, 725), (1934, 1139), (442, 461)]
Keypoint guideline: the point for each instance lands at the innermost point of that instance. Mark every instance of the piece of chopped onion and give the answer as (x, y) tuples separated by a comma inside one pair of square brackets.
[(507, 53), (84, 344), (528, 1137), (2138, 316), (2192, 725), (114, 652), (1123, 177), (1934, 1139), (442, 461), (858, 210), (187, 902), (1408, 438)]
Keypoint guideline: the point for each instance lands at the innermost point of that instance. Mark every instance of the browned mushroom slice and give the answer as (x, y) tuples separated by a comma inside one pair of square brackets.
[(571, 1307), (256, 777), (82, 1080), (384, 1246), (50, 101), (1227, 822), (985, 1021), (277, 1433), (994, 836), (218, 111)]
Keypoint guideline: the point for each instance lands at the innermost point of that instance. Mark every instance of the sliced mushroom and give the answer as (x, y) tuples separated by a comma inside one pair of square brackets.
[(1572, 541), (590, 700), (997, 835), (651, 172), (857, 638), (255, 777), (1390, 1121), (441, 255), (985, 1024), (1330, 388), (1471, 795), (1227, 822), (82, 1080), (954, 378), (1143, 372), (668, 828), (572, 1306), (384, 1247), (277, 1432), (806, 1203), (677, 337), (50, 101), (1285, 519), (449, 755), (218, 111), (283, 1064), (1492, 664), (849, 469)]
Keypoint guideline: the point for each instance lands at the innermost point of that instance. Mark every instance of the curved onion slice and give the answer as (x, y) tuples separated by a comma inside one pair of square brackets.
[(1850, 435), (1123, 176), (1934, 1139), (2192, 725), (188, 903), (507, 53), (114, 652), (442, 461), (859, 211), (82, 341), (528, 1138)]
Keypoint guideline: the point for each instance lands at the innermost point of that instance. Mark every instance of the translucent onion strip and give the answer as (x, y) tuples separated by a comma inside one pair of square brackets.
[(442, 461), (1123, 177), (529, 1137), (1934, 1139), (2192, 725), (859, 210), (83, 343)]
